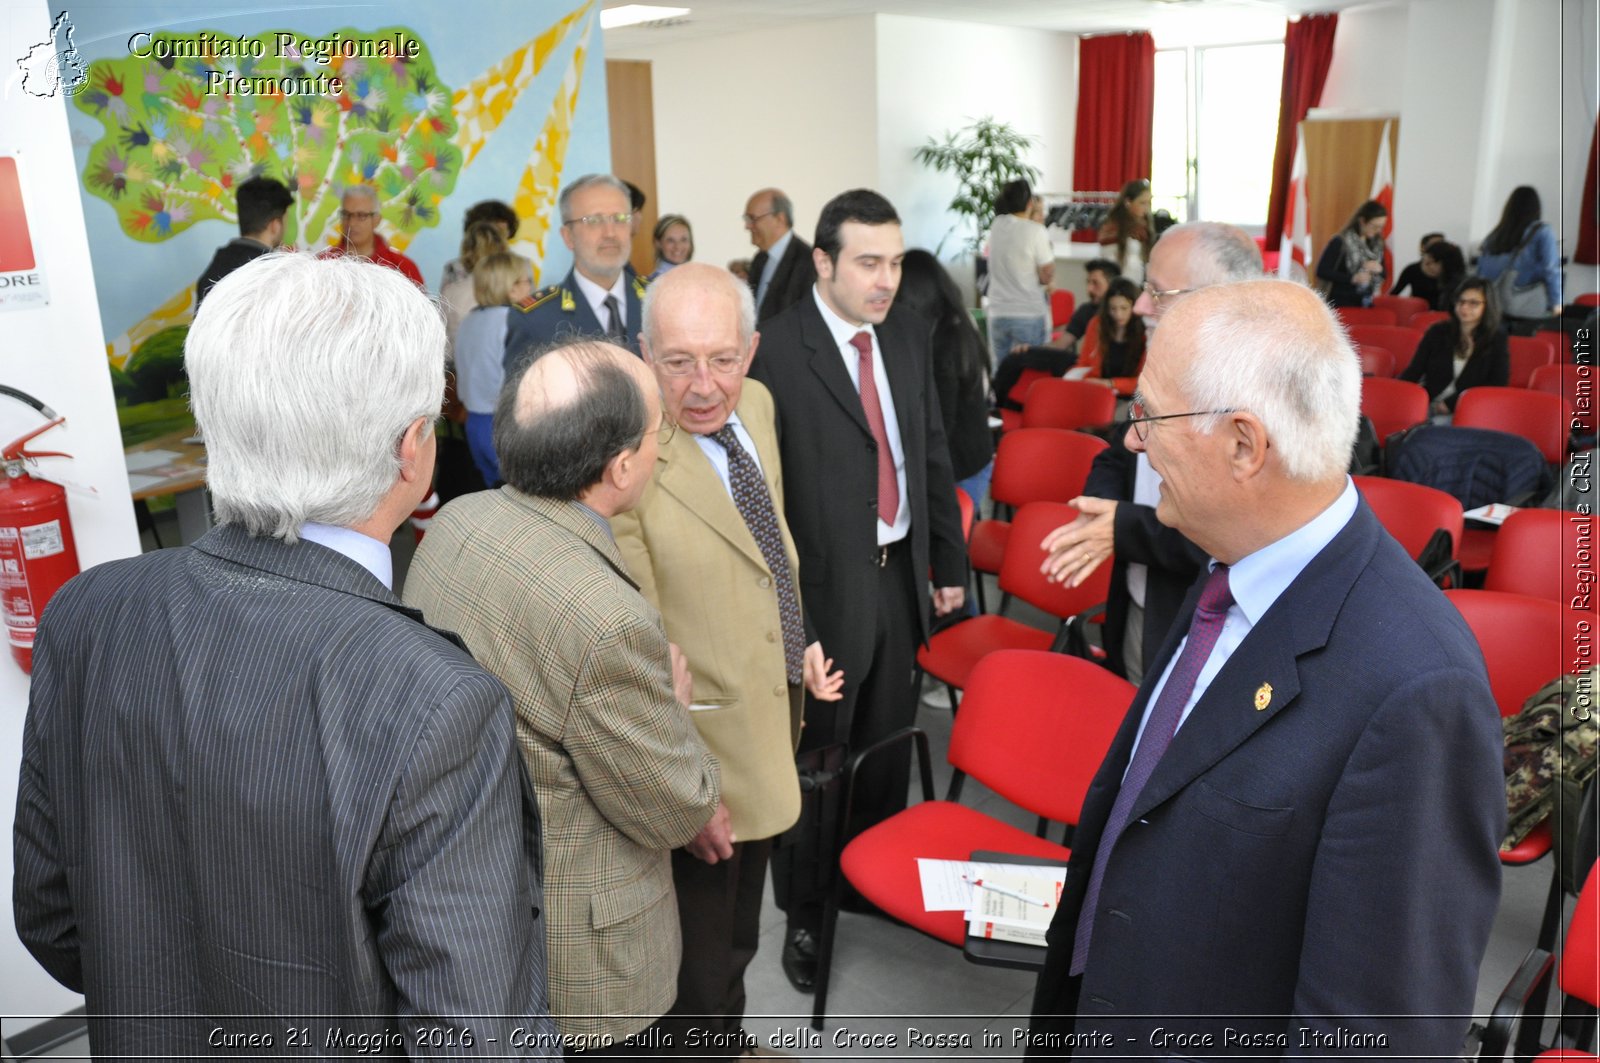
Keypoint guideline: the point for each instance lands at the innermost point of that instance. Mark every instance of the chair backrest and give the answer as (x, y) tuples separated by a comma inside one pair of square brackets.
[(1020, 565), (964, 502), (1533, 551), (1570, 382), (1527, 354), (1397, 340), (1537, 416), (1393, 405), (1580, 957), (1425, 320), (1042, 465), (1588, 299), (1062, 303), (1025, 381), (1404, 307), (1068, 404), (1411, 512), (1376, 361), (1525, 641), (1563, 340), (1091, 339), (1366, 315), (1034, 727)]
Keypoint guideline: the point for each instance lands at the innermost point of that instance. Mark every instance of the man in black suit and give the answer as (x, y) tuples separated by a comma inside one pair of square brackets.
[(262, 802), (1153, 565), (1258, 867), (262, 203), (782, 272), (870, 501)]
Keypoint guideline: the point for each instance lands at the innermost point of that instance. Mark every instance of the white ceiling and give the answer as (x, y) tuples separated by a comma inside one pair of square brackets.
[(1174, 22)]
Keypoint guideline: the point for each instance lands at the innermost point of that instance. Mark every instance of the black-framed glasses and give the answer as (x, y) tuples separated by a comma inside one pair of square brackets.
[(1141, 421), (1161, 298)]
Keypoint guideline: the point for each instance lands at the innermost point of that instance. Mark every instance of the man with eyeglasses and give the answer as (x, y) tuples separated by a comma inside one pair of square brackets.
[(531, 578), (710, 548), (1290, 848), (359, 215), (782, 273), (601, 295), (1153, 565)]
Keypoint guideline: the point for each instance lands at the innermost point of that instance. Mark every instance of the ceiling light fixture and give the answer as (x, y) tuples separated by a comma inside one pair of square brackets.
[(637, 14)]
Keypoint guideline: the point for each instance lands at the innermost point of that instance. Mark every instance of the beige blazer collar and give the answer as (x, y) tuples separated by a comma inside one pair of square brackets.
[(576, 521), (687, 474)]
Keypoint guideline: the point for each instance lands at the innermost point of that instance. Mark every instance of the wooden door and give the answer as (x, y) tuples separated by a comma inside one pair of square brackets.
[(1340, 156), (633, 146)]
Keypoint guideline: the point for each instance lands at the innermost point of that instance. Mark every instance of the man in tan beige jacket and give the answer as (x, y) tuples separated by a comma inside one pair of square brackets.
[(531, 579), (709, 547)]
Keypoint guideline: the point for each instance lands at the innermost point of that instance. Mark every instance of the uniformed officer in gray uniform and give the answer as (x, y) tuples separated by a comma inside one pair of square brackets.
[(601, 296)]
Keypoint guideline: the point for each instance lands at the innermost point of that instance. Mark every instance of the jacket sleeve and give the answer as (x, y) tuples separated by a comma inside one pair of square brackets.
[(1136, 534), (1544, 257), (947, 546), (1434, 342), (1330, 267)]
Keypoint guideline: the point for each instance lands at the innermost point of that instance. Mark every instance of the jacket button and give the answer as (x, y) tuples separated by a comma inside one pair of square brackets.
[(779, 691), (765, 582), (772, 637)]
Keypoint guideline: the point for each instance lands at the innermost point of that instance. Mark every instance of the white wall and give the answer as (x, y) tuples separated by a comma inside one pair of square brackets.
[(935, 75), (1369, 60), (794, 106)]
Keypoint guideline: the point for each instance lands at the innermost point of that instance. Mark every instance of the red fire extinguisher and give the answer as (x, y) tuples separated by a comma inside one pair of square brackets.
[(37, 552)]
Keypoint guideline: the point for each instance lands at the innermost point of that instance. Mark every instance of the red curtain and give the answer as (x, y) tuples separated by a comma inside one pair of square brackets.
[(1307, 54), (1588, 224), (1116, 108)]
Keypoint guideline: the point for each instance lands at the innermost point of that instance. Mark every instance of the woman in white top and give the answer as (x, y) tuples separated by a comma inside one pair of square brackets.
[(1021, 267)]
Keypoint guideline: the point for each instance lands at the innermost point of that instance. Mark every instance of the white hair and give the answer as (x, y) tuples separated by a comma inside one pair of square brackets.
[(737, 288), (1256, 350), (1220, 253), (366, 192), (304, 373), (589, 180)]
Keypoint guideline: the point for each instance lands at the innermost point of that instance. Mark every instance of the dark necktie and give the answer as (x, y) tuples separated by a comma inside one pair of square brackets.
[(1206, 625), (888, 489), (755, 506), (614, 324)]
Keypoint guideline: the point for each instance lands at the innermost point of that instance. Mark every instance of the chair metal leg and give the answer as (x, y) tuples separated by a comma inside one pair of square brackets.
[(977, 584), (830, 922), (1005, 600), (1042, 829), (955, 699), (957, 780)]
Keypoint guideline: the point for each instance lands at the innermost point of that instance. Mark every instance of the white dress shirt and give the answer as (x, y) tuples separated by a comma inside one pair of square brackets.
[(595, 296), (718, 455)]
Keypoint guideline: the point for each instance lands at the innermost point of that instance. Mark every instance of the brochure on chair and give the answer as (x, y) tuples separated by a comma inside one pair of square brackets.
[(1015, 904)]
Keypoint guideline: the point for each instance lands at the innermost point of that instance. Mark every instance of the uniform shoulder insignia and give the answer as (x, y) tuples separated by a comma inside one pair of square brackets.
[(539, 298), (640, 283)]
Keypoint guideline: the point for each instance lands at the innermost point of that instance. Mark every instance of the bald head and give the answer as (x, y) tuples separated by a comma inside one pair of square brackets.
[(698, 285), (768, 214), (566, 416), (1198, 254)]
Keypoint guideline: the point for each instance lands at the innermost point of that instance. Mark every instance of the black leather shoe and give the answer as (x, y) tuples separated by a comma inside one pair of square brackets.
[(800, 960)]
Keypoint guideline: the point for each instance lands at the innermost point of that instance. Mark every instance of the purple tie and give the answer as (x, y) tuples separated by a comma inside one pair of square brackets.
[(1206, 625)]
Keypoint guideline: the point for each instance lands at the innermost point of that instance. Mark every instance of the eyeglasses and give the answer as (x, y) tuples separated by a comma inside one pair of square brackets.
[(751, 219), (358, 215), (1141, 422), (721, 364), (1163, 297), (668, 429), (595, 221)]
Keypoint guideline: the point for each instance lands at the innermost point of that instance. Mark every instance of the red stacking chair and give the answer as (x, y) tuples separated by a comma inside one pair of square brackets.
[(1565, 380), (1533, 553), (1393, 405), (1527, 354), (1565, 343), (1588, 299), (1030, 465), (1424, 520), (950, 655), (1034, 729), (1012, 419), (1376, 361), (1536, 416), (1366, 315), (1405, 307), (1397, 340), (1069, 404), (964, 501), (1062, 303)]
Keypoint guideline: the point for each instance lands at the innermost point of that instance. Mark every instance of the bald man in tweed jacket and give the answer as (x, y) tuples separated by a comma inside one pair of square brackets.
[(531, 578)]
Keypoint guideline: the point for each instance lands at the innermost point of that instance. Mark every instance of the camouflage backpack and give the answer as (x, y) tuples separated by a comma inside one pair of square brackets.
[(1551, 749)]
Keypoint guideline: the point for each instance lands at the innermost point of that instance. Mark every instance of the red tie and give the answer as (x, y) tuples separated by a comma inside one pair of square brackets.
[(888, 489)]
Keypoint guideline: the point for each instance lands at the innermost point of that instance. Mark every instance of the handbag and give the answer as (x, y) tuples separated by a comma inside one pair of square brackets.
[(1516, 300)]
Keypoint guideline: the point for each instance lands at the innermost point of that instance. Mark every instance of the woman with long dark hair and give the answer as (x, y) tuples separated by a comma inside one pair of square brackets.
[(1126, 234), (1117, 356), (1526, 246), (960, 367), (1467, 351), (1352, 264)]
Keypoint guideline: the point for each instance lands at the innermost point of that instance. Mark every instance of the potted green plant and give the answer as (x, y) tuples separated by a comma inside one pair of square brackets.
[(983, 156)]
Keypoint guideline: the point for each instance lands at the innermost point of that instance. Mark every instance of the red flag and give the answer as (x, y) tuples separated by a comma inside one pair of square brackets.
[(1383, 192)]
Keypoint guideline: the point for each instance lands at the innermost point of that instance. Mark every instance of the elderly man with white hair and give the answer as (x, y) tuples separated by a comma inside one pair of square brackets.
[(359, 215), (263, 803), (1313, 759)]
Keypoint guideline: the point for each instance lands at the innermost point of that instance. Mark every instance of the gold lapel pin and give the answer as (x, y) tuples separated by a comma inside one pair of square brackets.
[(1263, 696)]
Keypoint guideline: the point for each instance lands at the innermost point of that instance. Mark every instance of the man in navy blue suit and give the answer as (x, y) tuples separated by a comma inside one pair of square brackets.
[(1291, 845)]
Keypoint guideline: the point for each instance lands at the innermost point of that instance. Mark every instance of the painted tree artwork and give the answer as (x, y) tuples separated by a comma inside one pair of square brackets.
[(183, 129)]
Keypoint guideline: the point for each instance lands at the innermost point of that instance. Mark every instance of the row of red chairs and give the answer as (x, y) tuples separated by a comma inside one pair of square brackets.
[(1386, 350), (1543, 414)]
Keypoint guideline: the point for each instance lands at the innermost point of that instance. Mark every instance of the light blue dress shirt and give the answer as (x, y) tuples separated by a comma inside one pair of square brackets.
[(364, 550)]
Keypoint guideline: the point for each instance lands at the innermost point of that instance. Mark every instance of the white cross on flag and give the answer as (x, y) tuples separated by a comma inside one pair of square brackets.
[(1383, 192), (1295, 243)]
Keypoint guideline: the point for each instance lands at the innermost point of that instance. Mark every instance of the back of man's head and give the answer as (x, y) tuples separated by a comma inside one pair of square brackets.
[(861, 205), (261, 202), (1214, 252), (564, 415), (304, 373)]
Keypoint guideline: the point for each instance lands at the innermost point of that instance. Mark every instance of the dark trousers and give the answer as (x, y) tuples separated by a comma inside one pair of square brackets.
[(1051, 360), (719, 906), (650, 1042), (1055, 1018), (877, 703)]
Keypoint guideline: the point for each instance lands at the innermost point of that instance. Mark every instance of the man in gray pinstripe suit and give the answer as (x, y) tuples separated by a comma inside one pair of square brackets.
[(263, 806)]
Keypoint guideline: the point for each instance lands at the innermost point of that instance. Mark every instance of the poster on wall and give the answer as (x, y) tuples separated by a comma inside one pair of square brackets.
[(431, 111), (22, 278)]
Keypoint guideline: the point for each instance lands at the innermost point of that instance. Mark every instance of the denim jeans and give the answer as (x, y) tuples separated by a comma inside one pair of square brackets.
[(1006, 332)]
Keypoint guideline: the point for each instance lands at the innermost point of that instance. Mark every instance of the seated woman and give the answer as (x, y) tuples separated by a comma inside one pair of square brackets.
[(1468, 350), (1116, 356), (1416, 276), (499, 281), (1351, 265), (674, 243), (1125, 235), (1447, 266)]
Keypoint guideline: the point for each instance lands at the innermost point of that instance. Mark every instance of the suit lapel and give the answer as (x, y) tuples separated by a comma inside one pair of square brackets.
[(828, 364), (687, 475)]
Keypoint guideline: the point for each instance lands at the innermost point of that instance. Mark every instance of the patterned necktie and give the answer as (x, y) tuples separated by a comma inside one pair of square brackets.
[(755, 506), (614, 324), (1206, 625), (888, 489)]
